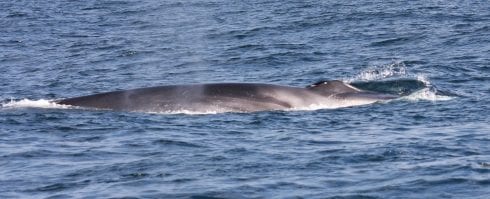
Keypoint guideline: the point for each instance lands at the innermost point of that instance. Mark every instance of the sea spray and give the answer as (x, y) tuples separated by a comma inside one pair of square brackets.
[(27, 103), (381, 72)]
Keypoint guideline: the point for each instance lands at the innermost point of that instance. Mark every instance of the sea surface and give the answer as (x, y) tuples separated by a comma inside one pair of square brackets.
[(432, 143)]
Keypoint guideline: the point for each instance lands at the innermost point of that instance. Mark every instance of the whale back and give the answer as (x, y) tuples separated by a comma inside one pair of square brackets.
[(333, 87), (228, 97), (200, 97)]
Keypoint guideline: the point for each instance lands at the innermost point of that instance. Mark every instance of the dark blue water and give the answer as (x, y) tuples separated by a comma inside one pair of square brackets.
[(433, 143)]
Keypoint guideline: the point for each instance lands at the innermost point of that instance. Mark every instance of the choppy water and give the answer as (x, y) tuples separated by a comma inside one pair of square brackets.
[(433, 143)]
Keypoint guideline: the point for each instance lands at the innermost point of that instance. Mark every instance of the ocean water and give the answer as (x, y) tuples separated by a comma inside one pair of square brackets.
[(432, 143)]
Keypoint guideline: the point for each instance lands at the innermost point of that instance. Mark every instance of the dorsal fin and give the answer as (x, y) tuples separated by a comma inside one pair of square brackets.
[(335, 86)]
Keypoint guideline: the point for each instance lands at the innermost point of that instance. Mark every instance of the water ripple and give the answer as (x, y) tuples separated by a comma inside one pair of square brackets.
[(432, 143)]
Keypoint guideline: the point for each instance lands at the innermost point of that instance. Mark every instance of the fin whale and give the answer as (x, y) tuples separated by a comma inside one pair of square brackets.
[(229, 97)]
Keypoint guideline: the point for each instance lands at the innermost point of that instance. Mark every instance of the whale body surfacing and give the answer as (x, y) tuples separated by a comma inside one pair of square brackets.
[(229, 97)]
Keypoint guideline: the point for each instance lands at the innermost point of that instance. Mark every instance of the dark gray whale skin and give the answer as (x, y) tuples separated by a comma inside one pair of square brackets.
[(229, 97)]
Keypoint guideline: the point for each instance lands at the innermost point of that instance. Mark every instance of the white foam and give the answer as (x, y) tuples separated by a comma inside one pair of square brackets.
[(335, 104), (27, 103), (313, 107), (427, 94), (188, 112), (43, 103), (424, 79)]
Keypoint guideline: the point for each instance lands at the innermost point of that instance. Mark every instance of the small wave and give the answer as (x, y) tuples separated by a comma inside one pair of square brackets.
[(168, 142), (26, 103)]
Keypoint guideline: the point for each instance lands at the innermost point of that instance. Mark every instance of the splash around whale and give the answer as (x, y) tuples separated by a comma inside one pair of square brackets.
[(230, 97)]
